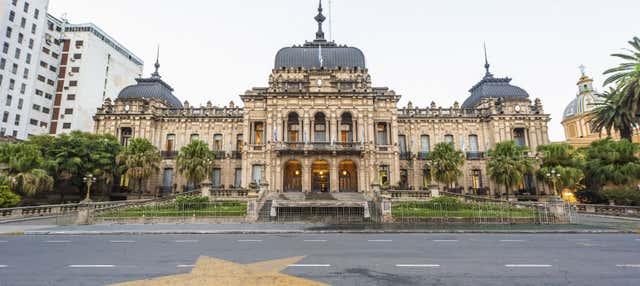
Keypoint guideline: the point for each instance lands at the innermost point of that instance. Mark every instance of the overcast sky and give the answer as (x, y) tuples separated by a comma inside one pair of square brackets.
[(424, 50)]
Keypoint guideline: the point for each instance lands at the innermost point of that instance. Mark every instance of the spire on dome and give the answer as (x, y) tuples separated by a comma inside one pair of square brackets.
[(320, 18), (156, 74), (486, 62), (582, 70)]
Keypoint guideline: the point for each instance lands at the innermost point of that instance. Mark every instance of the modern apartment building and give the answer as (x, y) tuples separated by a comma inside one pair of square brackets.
[(22, 27), (53, 74)]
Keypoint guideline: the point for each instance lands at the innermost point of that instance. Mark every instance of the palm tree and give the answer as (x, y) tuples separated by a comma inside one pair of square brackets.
[(508, 164), (563, 159), (445, 162), (195, 162), (141, 159), (612, 113), (22, 165), (627, 77)]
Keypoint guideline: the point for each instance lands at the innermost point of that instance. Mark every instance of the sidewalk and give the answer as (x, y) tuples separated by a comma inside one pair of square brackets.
[(267, 228)]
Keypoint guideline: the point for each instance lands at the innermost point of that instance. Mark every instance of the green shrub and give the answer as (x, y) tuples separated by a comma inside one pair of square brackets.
[(623, 195), (191, 199), (7, 198), (591, 196)]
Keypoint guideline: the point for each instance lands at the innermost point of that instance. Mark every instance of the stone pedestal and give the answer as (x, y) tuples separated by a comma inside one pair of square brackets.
[(206, 189)]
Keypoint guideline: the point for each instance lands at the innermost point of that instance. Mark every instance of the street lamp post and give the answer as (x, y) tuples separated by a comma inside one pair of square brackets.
[(554, 176), (89, 180)]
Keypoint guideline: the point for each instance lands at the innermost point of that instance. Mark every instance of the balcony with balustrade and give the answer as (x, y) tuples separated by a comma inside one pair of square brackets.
[(300, 148)]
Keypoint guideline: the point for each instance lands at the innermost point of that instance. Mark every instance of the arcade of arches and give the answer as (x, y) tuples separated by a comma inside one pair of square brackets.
[(320, 179)]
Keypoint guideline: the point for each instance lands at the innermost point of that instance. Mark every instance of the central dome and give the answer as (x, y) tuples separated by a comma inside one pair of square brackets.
[(319, 53)]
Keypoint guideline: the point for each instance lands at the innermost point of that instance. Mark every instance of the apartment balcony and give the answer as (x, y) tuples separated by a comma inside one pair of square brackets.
[(170, 154), (423, 155), (475, 155), (300, 148), (236, 155), (405, 155)]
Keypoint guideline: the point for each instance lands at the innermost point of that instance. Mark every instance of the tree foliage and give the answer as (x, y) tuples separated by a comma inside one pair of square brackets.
[(611, 113), (7, 198), (508, 163), (445, 163), (195, 162), (611, 163), (626, 76), (24, 167), (563, 159)]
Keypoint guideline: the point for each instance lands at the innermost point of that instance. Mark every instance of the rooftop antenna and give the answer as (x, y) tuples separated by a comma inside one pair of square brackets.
[(330, 22), (156, 74), (486, 61)]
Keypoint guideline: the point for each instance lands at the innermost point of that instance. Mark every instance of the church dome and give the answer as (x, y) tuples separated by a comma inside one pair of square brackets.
[(153, 87), (585, 101), (319, 53), (492, 87)]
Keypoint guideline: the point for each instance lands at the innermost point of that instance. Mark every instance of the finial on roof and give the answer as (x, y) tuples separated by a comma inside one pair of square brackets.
[(582, 70), (320, 18), (156, 74), (486, 62)]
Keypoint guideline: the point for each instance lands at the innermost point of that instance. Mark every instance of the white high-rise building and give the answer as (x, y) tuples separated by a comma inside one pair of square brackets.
[(54, 75), (22, 29), (93, 67)]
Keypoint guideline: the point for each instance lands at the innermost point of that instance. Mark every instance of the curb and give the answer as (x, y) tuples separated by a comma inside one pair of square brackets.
[(167, 232)]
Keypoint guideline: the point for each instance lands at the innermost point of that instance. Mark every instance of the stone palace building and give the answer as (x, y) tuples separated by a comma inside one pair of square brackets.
[(320, 126)]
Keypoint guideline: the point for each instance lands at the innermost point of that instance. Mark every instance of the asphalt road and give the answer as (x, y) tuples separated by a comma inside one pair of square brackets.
[(336, 259)]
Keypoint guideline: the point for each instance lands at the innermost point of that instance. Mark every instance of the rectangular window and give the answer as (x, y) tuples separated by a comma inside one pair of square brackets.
[(36, 107), (167, 178), (45, 110), (9, 98), (217, 142), (31, 43), (476, 179), (28, 58), (18, 51), (68, 111), (237, 179), (20, 38), (45, 50), (79, 44), (36, 13), (239, 142), (54, 55), (12, 84), (519, 136), (17, 120), (448, 139), (383, 175), (171, 142), (26, 7), (66, 125), (12, 16), (75, 69), (71, 97), (25, 73), (258, 133), (194, 137), (33, 122), (215, 178), (473, 143), (48, 96), (3, 63), (425, 143), (20, 103), (33, 28), (5, 48), (41, 78), (5, 116), (402, 143), (256, 173), (73, 83), (14, 69), (77, 56), (381, 133), (23, 22), (8, 32), (23, 88)]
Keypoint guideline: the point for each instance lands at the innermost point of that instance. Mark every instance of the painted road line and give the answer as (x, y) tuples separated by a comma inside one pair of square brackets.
[(91, 266), (511, 240), (629, 265), (445, 240), (249, 240), (315, 240), (418, 265), (185, 265), (637, 239), (3, 241), (186, 241), (122, 241), (527, 265), (309, 265), (58, 241), (4, 266), (379, 240)]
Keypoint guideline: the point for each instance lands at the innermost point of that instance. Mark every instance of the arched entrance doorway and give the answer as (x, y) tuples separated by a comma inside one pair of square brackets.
[(320, 179), (292, 177), (348, 174)]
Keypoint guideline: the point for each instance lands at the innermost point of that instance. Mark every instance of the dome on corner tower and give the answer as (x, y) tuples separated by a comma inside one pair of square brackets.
[(153, 87), (585, 101)]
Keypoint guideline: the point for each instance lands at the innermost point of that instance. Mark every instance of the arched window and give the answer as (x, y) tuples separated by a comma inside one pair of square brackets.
[(473, 143), (194, 137), (320, 127), (448, 139), (126, 134), (171, 142), (217, 142)]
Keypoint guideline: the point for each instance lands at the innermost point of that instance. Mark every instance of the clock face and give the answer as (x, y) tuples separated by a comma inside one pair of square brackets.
[(319, 82), (517, 108), (126, 107)]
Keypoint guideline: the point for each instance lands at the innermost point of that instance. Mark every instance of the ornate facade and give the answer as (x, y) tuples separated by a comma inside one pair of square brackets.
[(320, 126)]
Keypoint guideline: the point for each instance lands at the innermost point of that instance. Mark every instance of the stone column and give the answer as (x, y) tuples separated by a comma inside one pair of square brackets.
[(333, 175), (306, 175)]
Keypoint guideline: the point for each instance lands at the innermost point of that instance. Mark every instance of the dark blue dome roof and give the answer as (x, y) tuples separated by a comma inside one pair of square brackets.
[(153, 87), (490, 87), (308, 56)]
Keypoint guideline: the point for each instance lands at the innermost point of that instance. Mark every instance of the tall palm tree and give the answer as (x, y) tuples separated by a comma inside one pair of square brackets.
[(195, 162), (445, 162), (141, 159), (612, 113), (508, 164), (22, 165), (627, 77)]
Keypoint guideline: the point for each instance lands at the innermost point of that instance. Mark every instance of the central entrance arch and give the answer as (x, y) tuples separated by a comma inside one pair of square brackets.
[(347, 172), (320, 177), (292, 176)]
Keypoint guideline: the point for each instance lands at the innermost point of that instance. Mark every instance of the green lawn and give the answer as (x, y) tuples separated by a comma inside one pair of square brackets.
[(222, 209), (462, 210)]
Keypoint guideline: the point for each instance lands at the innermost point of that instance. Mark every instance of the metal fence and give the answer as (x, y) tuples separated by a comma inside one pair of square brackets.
[(175, 212), (473, 213)]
